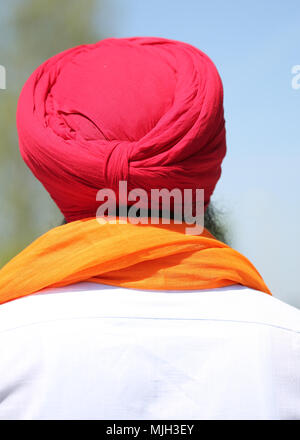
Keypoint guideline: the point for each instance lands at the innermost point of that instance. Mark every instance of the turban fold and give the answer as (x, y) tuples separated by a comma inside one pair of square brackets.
[(145, 110)]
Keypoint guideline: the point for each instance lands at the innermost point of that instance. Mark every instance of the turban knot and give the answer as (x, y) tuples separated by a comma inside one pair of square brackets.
[(116, 164)]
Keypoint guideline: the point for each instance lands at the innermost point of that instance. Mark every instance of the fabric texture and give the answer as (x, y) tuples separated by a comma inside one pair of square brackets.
[(159, 257), (145, 110), (90, 351)]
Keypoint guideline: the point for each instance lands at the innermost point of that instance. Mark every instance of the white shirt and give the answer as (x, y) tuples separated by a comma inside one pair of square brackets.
[(90, 351)]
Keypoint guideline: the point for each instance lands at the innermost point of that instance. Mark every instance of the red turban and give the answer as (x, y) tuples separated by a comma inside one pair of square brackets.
[(145, 110)]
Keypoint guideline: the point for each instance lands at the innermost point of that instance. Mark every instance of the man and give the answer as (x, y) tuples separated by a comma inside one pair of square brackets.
[(120, 317)]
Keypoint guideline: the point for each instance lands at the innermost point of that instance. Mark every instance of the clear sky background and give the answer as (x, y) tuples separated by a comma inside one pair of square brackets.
[(254, 45)]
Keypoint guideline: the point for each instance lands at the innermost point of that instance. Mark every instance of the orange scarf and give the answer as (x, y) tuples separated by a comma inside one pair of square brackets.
[(156, 257)]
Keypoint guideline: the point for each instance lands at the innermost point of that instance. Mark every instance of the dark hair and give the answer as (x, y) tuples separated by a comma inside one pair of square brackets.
[(215, 224), (212, 222)]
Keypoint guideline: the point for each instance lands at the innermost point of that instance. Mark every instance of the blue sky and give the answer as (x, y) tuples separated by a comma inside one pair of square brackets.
[(254, 45)]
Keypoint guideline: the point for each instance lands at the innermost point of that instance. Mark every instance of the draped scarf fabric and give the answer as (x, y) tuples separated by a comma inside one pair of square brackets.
[(145, 110), (155, 257)]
